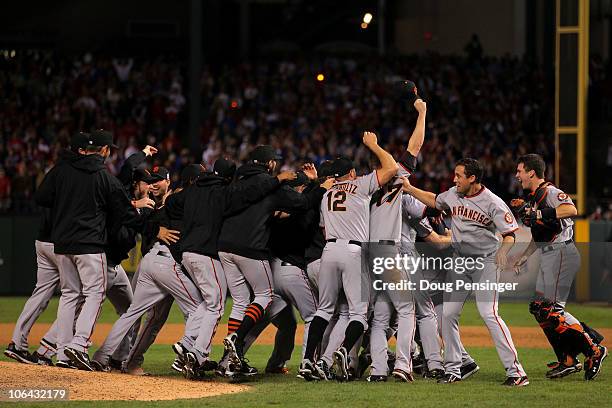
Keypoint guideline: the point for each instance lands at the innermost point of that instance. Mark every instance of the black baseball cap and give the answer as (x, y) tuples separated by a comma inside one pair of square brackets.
[(160, 173), (143, 175), (79, 140), (300, 180), (263, 154), (224, 168), (190, 172), (101, 137), (342, 166), (326, 169)]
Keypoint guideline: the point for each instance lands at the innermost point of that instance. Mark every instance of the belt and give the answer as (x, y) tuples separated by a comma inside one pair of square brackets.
[(556, 245), (283, 263), (164, 254), (477, 255), (386, 242), (351, 241)]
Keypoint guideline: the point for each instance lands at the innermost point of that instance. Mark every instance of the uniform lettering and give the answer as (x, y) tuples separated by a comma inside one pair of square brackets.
[(460, 211), (349, 188)]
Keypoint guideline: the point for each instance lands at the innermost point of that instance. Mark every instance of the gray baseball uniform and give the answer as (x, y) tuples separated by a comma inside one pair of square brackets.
[(476, 219), (160, 276), (119, 293), (385, 235), (560, 260), (413, 226), (207, 273), (47, 280), (345, 213)]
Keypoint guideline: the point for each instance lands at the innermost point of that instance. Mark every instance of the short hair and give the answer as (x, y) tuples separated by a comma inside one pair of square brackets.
[(533, 162), (472, 168)]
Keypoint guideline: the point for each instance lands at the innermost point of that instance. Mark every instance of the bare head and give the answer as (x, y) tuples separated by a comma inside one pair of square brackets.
[(530, 171), (468, 176)]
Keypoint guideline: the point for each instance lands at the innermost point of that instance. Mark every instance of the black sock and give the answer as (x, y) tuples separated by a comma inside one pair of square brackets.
[(354, 330), (253, 314), (315, 335)]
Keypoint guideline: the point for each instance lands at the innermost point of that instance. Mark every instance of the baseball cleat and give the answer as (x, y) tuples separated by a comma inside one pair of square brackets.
[(190, 367), (79, 358), (98, 366), (402, 375), (47, 344), (277, 370), (177, 365), (341, 364), (469, 370), (434, 374), (23, 356), (42, 360), (448, 379), (232, 351), (559, 370), (419, 364), (322, 371), (66, 364), (376, 378), (180, 351), (592, 365), (516, 381), (221, 370), (246, 369), (307, 370), (365, 360)]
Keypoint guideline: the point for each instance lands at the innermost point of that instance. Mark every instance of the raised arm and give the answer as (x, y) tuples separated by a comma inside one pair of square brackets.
[(418, 135), (388, 165)]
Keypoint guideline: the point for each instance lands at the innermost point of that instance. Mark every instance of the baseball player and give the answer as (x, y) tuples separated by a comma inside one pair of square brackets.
[(243, 248), (385, 236), (48, 277), (154, 231), (548, 212), (345, 214), (477, 215), (81, 193), (207, 203), (160, 277)]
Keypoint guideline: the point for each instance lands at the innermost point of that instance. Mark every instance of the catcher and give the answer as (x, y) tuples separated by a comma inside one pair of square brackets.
[(548, 211)]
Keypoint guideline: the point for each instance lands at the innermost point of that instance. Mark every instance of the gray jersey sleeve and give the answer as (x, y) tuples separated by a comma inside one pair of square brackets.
[(412, 208), (504, 220), (442, 199), (423, 228), (555, 198), (367, 184)]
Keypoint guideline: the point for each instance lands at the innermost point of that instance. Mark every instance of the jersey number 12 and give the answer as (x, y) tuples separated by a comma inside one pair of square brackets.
[(335, 201)]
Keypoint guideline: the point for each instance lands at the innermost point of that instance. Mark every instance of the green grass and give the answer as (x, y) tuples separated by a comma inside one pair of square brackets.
[(481, 390), (515, 314)]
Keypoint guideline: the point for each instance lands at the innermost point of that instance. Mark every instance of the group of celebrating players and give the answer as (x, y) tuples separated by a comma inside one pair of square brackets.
[(296, 241)]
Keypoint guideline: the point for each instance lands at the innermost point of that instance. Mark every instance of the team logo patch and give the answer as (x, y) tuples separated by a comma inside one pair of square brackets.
[(508, 218), (562, 196)]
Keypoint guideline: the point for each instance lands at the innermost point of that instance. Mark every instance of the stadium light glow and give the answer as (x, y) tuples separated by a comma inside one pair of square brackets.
[(320, 77), (367, 18)]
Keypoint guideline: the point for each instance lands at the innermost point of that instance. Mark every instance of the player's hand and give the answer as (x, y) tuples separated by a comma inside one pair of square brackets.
[(420, 106), (149, 150), (327, 184), (406, 186), (519, 264), (167, 235), (286, 176), (501, 259), (310, 171), (370, 139), (144, 202), (281, 214)]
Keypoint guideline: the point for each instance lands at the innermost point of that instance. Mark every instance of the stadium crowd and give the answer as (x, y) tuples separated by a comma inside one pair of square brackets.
[(45, 97)]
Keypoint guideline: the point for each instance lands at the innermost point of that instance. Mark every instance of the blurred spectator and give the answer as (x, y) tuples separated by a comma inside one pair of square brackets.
[(494, 110), (5, 191)]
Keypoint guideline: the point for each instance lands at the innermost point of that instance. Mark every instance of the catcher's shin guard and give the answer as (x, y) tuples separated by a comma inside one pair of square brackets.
[(593, 334), (573, 337)]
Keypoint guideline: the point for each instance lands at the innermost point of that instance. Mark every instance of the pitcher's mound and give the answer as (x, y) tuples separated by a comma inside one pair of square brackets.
[(94, 386)]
